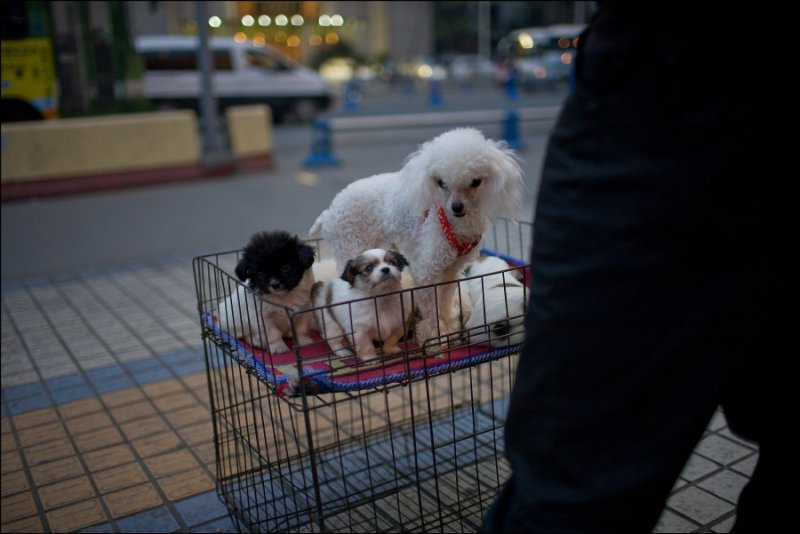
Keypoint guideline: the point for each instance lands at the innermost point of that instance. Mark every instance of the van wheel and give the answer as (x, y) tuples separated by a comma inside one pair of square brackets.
[(17, 110), (304, 110), (165, 106)]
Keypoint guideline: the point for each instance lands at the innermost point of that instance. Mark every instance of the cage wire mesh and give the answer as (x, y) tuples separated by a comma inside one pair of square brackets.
[(417, 447)]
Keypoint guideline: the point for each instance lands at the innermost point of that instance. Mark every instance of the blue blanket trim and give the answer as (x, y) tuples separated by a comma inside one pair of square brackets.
[(321, 379)]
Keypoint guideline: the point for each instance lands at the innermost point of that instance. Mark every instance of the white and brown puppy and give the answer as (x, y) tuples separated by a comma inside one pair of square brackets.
[(498, 300), (350, 312)]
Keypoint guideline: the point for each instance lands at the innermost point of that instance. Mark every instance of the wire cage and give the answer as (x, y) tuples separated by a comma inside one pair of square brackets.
[(313, 440)]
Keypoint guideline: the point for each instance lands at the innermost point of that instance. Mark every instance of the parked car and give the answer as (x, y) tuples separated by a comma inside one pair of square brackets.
[(421, 69), (338, 70), (541, 57), (547, 70), (243, 74)]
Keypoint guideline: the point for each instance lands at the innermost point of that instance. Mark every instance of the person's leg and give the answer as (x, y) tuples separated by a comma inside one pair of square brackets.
[(757, 409), (655, 251)]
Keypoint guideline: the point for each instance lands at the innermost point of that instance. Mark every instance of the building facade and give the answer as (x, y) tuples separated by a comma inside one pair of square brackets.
[(371, 30)]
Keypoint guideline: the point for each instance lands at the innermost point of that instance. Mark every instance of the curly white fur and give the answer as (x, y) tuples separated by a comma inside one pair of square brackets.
[(473, 178)]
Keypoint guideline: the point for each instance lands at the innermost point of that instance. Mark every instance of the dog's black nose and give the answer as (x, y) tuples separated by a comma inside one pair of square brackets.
[(458, 208), (385, 270)]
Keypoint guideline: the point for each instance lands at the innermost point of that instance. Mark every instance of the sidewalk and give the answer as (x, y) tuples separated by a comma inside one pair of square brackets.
[(106, 423)]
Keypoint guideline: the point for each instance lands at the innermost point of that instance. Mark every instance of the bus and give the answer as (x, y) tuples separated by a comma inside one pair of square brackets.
[(29, 82)]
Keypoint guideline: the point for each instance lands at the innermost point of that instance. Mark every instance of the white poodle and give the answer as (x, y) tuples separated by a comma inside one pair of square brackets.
[(434, 210)]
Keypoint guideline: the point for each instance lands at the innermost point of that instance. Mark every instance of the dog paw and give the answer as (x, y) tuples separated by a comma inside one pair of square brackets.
[(342, 353), (394, 349), (433, 348), (278, 348), (366, 355)]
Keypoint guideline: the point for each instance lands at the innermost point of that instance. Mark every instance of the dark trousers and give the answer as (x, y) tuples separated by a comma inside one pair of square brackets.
[(664, 281)]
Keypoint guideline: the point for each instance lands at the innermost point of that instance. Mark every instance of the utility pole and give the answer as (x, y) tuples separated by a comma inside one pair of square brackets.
[(485, 29), (214, 153)]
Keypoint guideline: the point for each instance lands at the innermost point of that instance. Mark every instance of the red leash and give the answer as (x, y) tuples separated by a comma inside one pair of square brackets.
[(462, 248)]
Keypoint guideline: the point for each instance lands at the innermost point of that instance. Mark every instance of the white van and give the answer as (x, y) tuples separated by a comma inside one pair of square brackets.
[(243, 74)]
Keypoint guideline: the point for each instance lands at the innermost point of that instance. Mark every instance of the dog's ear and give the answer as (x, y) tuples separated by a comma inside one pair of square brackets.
[(306, 253), (350, 272), (398, 258), (241, 270), (416, 174), (508, 182)]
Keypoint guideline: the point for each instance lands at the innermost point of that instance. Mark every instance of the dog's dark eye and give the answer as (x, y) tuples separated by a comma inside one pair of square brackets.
[(441, 183), (368, 269), (285, 269), (476, 182)]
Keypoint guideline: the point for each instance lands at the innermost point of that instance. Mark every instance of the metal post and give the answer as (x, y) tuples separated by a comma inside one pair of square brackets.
[(215, 153), (511, 130), (485, 29)]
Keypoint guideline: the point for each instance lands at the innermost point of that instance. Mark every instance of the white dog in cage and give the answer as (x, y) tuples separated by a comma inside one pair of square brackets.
[(434, 210), (363, 305), (498, 299)]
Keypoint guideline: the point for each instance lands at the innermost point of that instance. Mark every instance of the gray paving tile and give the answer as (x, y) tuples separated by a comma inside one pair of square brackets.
[(54, 371), (89, 365), (727, 433), (724, 526), (20, 378), (718, 421), (725, 484), (671, 522), (17, 367), (698, 467), (746, 466), (721, 450), (698, 505)]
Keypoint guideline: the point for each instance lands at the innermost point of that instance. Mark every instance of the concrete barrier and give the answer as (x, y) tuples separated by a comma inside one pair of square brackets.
[(71, 155), (112, 143), (47, 158), (250, 135)]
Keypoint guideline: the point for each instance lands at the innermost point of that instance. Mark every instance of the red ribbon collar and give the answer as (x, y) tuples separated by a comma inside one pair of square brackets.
[(462, 248)]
